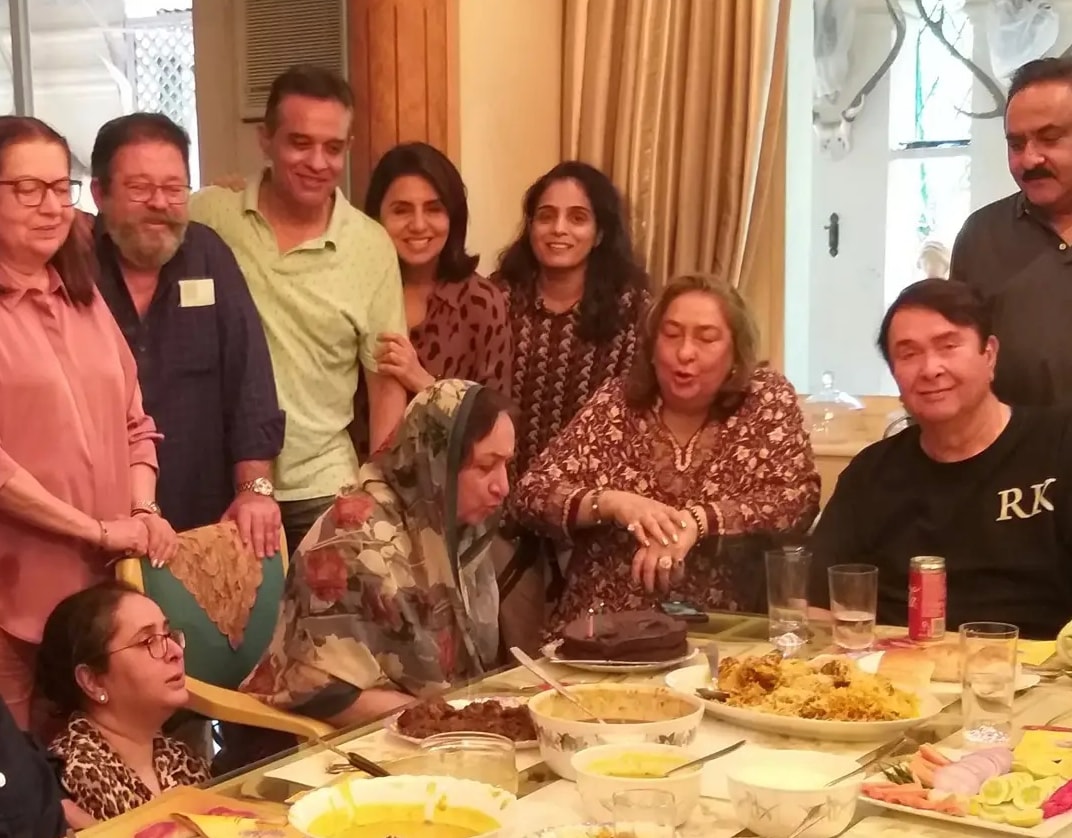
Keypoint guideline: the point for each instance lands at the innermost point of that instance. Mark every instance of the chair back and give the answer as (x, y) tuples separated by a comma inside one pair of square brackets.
[(209, 654)]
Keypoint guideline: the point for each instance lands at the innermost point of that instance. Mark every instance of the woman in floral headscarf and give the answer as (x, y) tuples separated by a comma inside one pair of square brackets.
[(392, 593)]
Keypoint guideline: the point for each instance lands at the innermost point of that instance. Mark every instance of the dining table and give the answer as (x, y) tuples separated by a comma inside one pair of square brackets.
[(546, 800)]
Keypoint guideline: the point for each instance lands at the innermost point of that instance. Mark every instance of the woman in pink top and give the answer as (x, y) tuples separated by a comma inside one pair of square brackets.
[(77, 452)]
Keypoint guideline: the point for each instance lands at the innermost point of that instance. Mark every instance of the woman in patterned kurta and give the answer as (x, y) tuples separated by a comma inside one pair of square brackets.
[(393, 590), (458, 325), (671, 481), (576, 294)]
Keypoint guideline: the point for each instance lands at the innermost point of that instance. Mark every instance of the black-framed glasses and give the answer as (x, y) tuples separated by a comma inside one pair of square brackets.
[(142, 192), (157, 644), (31, 191)]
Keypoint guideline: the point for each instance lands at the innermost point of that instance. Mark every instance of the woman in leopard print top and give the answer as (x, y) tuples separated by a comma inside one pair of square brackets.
[(112, 665), (458, 325)]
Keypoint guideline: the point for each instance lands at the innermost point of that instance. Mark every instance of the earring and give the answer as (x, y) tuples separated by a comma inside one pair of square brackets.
[(103, 698)]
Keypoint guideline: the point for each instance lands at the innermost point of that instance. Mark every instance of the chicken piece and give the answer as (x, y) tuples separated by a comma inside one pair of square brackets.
[(839, 671)]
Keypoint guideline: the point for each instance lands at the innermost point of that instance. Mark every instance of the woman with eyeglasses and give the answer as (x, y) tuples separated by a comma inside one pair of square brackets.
[(113, 668), (77, 452)]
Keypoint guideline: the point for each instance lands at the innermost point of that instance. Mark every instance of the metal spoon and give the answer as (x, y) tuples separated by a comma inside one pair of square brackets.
[(707, 758), (534, 668), (359, 762)]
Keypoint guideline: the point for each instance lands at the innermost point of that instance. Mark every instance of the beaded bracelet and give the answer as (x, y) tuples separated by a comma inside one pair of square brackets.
[(700, 528)]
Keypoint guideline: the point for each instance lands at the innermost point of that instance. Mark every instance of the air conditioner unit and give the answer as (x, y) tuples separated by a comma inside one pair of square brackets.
[(272, 35)]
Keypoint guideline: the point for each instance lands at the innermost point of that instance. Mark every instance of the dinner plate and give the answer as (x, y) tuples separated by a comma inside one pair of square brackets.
[(550, 651), (945, 689), (691, 678), (507, 701), (1046, 829)]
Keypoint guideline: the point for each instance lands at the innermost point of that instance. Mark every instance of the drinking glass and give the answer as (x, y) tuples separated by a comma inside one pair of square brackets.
[(787, 598), (650, 812), (853, 603), (988, 664)]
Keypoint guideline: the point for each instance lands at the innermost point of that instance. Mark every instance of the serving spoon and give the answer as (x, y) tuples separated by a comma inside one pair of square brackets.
[(534, 668), (705, 758)]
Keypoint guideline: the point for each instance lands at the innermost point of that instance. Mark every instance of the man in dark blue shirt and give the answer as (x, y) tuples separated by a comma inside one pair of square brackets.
[(180, 299)]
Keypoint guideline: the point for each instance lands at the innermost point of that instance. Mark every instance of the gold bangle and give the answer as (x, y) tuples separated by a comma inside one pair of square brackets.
[(698, 518)]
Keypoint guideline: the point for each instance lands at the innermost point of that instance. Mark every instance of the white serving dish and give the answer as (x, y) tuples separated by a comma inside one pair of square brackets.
[(391, 725), (771, 811), (597, 830), (431, 792), (686, 681), (1047, 829), (562, 733), (597, 790)]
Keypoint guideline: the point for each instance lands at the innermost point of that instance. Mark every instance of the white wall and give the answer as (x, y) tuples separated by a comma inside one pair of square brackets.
[(510, 111), (845, 294)]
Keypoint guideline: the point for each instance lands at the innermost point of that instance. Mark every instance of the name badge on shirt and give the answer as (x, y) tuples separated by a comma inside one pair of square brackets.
[(196, 293)]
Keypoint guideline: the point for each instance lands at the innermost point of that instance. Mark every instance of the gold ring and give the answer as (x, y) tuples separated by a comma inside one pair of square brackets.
[(665, 562)]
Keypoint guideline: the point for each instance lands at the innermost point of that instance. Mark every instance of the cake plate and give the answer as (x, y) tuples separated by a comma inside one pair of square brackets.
[(550, 651)]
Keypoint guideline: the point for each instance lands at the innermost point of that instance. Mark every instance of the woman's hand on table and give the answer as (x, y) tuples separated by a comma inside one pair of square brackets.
[(650, 522), (659, 567)]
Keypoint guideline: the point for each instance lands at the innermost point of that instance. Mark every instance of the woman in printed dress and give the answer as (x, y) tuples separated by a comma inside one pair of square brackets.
[(576, 295), (458, 327), (670, 481), (392, 593)]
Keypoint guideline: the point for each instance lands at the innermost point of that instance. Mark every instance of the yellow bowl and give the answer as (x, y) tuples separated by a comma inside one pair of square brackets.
[(473, 809), (651, 713), (605, 770)]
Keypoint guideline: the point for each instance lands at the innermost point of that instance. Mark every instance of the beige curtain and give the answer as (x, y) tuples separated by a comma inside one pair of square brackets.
[(682, 103)]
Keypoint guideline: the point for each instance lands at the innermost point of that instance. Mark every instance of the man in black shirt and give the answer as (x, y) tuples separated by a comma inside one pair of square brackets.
[(981, 484), (30, 793), (180, 299), (1018, 250)]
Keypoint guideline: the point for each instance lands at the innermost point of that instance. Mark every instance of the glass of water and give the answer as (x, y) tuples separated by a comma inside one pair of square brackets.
[(787, 598), (853, 602), (647, 812), (988, 664)]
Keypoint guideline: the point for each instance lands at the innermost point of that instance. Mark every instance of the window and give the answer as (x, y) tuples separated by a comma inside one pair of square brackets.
[(904, 172), (94, 60), (928, 193)]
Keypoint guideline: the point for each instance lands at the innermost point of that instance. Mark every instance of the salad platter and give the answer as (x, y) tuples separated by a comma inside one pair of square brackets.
[(1023, 792)]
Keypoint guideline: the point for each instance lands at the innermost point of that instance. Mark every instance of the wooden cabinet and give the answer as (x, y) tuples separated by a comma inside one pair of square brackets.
[(403, 69)]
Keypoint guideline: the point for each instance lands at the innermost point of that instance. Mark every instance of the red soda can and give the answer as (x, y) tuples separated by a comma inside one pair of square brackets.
[(926, 598)]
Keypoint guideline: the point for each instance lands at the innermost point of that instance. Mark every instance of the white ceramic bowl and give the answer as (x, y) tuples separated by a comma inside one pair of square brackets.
[(773, 791), (597, 788), (436, 795), (668, 718)]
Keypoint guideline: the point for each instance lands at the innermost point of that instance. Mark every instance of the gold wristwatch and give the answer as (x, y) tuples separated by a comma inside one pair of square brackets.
[(150, 507), (260, 486)]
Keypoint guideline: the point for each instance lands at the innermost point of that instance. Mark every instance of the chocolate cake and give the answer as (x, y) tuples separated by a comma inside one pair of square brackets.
[(630, 636)]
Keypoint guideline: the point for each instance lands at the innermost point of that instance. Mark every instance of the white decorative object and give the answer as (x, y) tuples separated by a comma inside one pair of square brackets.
[(1018, 31), (835, 134)]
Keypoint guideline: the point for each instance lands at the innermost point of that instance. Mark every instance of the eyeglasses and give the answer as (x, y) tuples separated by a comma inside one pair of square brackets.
[(31, 191), (142, 193), (157, 644)]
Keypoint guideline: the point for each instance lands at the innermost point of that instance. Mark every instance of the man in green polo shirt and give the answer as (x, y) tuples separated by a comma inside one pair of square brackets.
[(326, 282)]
